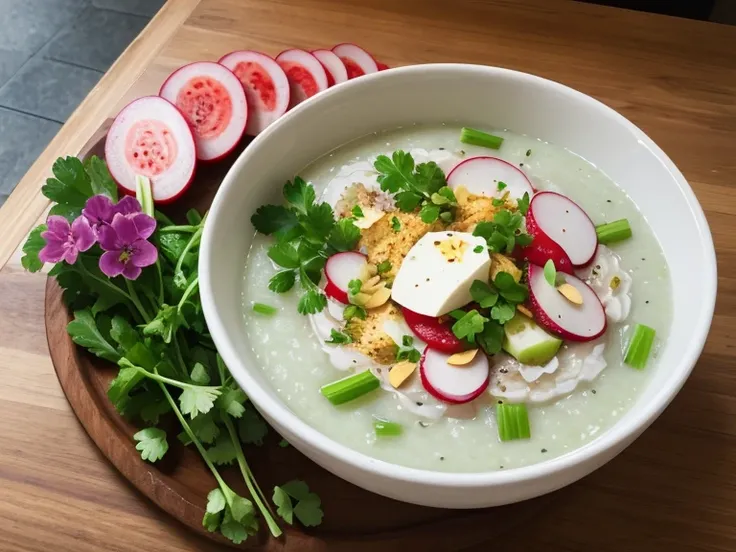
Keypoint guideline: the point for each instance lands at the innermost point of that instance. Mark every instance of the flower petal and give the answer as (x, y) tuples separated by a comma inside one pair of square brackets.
[(110, 264), (127, 205), (58, 227), (144, 253), (108, 238), (131, 272), (98, 209), (52, 252), (71, 255), (144, 224), (82, 234), (125, 229)]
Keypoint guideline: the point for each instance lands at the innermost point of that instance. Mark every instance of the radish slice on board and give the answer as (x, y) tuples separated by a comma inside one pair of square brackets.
[(335, 68), (565, 223), (453, 384), (265, 84), (305, 73), (543, 249), (481, 175), (212, 100), (357, 61), (556, 314), (150, 137), (339, 270), (437, 335)]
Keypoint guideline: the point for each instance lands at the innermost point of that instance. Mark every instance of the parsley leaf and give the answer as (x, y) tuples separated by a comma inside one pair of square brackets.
[(501, 185), (469, 325), (407, 201), (344, 236), (101, 181), (357, 212), (84, 332), (354, 311), (269, 219), (231, 401), (482, 294), (151, 443), (383, 267), (165, 323), (429, 178), (429, 213), (196, 398), (31, 248), (123, 333), (395, 224), (283, 281), (338, 338), (284, 254), (503, 233), (205, 427), (308, 509), (223, 451), (70, 187), (299, 195), (311, 302), (232, 529), (251, 427), (395, 173)]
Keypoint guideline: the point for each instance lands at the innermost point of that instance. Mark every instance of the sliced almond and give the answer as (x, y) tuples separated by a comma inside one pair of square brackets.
[(378, 298), (370, 282), (525, 311), (400, 372), (461, 195), (570, 293), (360, 299), (461, 359)]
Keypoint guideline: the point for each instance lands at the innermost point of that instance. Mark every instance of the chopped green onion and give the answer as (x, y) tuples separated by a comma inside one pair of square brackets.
[(611, 232), (640, 346), (384, 428), (350, 388), (262, 308), (476, 137), (513, 421)]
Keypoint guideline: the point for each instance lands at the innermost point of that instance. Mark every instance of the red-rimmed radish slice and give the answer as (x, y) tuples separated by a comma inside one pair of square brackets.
[(150, 137), (437, 335), (357, 61), (339, 270), (481, 175), (453, 384), (212, 100), (542, 249), (335, 68), (265, 84), (305, 73), (565, 223), (382, 66), (556, 314)]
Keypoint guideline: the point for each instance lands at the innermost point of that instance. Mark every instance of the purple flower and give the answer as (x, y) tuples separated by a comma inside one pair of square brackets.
[(65, 241), (125, 245), (100, 210)]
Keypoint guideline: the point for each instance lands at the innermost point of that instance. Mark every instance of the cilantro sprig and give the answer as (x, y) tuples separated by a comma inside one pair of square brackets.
[(422, 186)]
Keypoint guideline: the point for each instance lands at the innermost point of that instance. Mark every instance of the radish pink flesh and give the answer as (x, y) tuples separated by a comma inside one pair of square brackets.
[(339, 270), (265, 84), (556, 314), (453, 384), (566, 224), (382, 66), (335, 68), (305, 73), (212, 100), (437, 335), (357, 61), (543, 249), (481, 175), (150, 137)]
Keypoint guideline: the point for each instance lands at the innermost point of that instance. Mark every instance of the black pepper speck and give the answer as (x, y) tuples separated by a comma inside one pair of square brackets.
[(419, 403), (647, 302), (442, 457), (593, 391), (544, 450)]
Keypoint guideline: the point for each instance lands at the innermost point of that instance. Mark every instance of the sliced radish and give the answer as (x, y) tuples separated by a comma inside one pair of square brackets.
[(437, 335), (453, 384), (382, 66), (150, 137), (565, 223), (357, 61), (213, 102), (339, 270), (336, 72), (265, 84), (556, 314), (481, 175), (543, 249), (305, 73)]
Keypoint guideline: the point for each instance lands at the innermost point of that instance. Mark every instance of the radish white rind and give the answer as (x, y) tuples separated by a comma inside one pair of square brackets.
[(150, 137), (565, 223), (306, 74), (213, 101), (336, 72), (553, 312), (453, 384), (340, 269), (357, 61), (481, 175), (265, 85)]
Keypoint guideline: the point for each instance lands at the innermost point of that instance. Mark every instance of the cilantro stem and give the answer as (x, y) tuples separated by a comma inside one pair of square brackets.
[(179, 228), (160, 282), (255, 491), (193, 241), (182, 365), (174, 383), (190, 289), (136, 301)]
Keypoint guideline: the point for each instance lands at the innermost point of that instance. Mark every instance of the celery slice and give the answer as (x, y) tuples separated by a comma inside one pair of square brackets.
[(476, 137), (640, 346), (612, 232), (384, 428), (513, 421), (350, 388)]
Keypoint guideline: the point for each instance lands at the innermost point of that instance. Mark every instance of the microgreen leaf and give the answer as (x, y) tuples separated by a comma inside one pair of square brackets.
[(509, 288), (338, 338), (502, 312), (523, 203), (491, 338), (469, 325), (482, 294), (550, 272), (354, 286), (501, 185), (152, 443), (407, 201), (429, 213)]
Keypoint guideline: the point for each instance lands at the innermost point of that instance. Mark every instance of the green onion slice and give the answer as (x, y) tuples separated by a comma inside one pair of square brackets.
[(262, 308), (513, 421), (384, 428), (476, 137), (612, 232), (350, 388), (640, 346)]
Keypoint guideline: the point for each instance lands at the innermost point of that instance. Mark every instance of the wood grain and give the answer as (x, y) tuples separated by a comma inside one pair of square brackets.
[(672, 490)]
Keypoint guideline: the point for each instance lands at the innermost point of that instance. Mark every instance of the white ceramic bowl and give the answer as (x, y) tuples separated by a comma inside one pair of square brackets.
[(481, 97)]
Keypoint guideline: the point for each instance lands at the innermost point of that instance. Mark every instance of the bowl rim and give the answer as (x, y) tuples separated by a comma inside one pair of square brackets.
[(615, 438)]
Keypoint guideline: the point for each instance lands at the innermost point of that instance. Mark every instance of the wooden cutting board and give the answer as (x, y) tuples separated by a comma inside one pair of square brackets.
[(355, 519)]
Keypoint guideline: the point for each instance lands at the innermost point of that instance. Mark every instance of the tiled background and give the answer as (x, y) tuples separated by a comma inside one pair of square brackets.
[(52, 52)]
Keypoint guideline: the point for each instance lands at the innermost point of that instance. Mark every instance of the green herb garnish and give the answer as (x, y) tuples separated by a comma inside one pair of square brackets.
[(513, 421), (501, 185), (354, 286), (504, 233), (264, 309), (550, 273), (384, 428), (383, 267), (640, 346), (478, 249), (338, 338), (482, 294), (354, 311), (357, 212), (469, 325), (613, 231), (395, 224), (407, 351), (476, 137), (308, 509), (523, 203), (350, 388)]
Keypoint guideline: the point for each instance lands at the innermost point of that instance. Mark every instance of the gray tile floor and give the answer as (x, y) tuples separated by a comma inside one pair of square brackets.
[(52, 52)]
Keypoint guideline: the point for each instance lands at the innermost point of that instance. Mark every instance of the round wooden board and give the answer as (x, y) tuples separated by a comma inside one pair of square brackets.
[(355, 520)]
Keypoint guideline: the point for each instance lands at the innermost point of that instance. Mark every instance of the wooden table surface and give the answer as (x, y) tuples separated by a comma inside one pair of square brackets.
[(674, 489)]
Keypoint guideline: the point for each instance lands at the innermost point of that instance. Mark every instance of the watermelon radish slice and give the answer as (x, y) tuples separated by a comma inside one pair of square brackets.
[(357, 61), (150, 137), (542, 249), (565, 223), (305, 73), (453, 384), (437, 335), (481, 175), (213, 102), (265, 84), (553, 312), (336, 72), (339, 270)]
